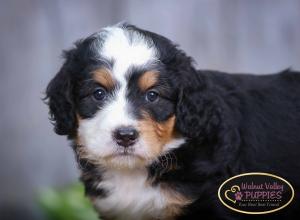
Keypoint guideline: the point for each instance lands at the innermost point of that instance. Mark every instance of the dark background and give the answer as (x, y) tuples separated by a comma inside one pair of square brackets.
[(259, 36)]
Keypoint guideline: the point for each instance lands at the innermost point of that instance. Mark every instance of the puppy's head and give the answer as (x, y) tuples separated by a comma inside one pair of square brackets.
[(119, 96)]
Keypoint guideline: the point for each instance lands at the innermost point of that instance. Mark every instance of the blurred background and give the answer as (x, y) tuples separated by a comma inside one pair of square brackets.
[(258, 36)]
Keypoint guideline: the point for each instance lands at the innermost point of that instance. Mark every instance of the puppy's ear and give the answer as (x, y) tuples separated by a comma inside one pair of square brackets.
[(59, 97), (197, 103), (197, 113)]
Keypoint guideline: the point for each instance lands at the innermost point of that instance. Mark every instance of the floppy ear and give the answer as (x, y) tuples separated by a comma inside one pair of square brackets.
[(197, 103), (59, 97), (197, 112)]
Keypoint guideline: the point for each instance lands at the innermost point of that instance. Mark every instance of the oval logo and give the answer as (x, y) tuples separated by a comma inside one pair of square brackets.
[(256, 193)]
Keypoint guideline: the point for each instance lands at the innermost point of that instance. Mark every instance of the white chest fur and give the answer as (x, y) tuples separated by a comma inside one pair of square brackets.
[(130, 196)]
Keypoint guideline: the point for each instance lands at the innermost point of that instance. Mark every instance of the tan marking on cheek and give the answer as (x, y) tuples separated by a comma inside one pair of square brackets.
[(165, 130), (175, 202), (78, 118), (77, 139), (104, 77), (156, 134), (147, 80)]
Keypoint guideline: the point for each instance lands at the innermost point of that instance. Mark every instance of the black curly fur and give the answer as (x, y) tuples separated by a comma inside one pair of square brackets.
[(233, 123), (61, 101)]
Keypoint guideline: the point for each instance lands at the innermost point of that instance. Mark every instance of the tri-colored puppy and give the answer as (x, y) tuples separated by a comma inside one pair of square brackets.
[(155, 138)]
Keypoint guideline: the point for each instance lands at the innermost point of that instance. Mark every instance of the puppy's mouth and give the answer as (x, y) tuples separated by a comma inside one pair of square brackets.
[(124, 159), (124, 152)]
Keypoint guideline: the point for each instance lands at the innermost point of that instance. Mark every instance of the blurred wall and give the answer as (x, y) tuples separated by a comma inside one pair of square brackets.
[(258, 36)]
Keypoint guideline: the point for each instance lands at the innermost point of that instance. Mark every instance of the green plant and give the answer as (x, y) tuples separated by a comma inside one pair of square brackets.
[(67, 204)]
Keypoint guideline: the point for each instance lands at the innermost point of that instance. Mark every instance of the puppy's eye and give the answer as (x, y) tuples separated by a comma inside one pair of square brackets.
[(151, 96), (99, 94)]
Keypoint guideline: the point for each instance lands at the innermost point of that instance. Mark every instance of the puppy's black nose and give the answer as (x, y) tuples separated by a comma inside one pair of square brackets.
[(125, 136)]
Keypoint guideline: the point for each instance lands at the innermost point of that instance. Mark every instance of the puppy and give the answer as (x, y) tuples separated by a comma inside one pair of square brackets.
[(154, 137)]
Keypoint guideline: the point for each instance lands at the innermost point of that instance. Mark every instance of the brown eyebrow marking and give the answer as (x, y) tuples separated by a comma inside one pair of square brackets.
[(103, 76), (147, 80)]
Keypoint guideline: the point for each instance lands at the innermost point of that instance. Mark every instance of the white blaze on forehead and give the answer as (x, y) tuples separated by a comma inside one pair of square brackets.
[(126, 51)]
